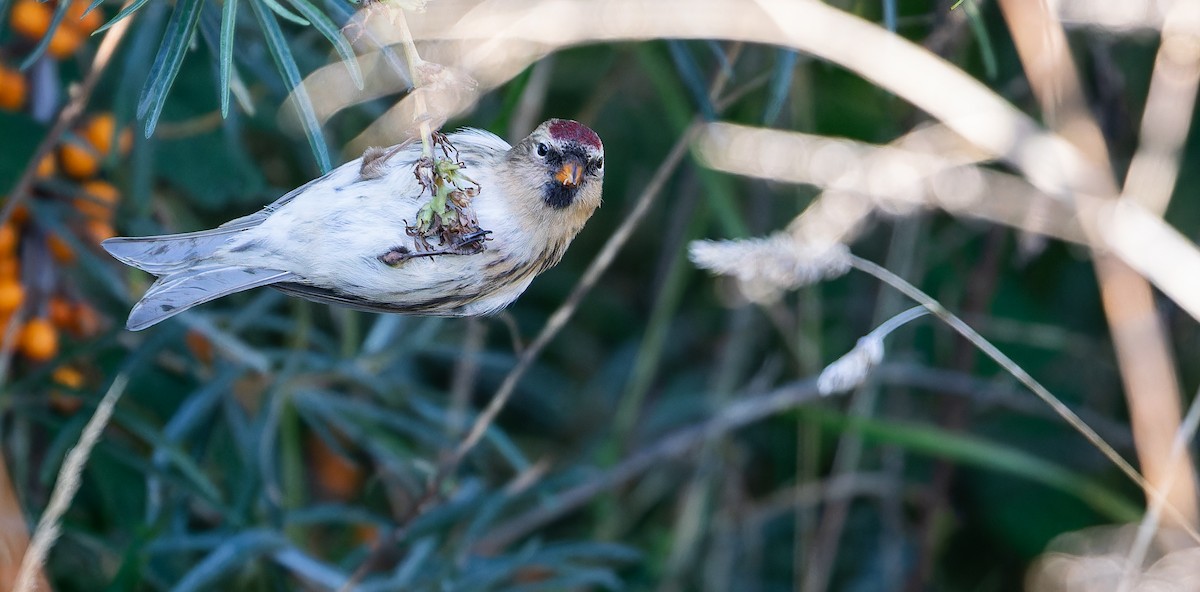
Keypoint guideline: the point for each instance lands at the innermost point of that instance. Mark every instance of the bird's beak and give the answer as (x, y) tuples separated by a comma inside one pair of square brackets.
[(571, 174)]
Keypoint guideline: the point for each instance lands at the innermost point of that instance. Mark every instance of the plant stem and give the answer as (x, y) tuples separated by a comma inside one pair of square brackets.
[(414, 60)]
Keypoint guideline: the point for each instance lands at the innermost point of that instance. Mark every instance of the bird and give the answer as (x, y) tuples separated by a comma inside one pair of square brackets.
[(347, 238)]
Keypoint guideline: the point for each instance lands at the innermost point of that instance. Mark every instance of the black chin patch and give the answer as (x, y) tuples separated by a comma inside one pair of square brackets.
[(559, 196)]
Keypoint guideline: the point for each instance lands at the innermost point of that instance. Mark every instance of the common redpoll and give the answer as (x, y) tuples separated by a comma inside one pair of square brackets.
[(360, 235)]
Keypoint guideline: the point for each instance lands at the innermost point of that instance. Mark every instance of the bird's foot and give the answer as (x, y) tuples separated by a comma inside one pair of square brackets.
[(467, 244)]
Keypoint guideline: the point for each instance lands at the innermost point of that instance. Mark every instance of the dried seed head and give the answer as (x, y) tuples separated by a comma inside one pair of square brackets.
[(850, 370), (765, 267)]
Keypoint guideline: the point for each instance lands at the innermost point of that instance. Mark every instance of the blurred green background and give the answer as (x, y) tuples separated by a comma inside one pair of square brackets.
[(273, 444)]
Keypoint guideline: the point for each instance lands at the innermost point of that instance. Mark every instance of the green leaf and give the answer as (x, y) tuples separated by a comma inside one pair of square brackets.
[(286, 65), (128, 10), (228, 22), (981, 453), (180, 28), (228, 557), (287, 15), (322, 23), (40, 49)]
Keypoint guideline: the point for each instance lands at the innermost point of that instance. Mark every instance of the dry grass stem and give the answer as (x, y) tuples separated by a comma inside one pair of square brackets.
[(65, 488), (1127, 16), (860, 178), (1026, 379), (1168, 113)]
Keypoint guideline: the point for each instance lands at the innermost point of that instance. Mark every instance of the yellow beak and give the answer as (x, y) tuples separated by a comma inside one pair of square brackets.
[(570, 174)]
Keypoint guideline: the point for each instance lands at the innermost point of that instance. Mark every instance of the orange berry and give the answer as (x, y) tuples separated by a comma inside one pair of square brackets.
[(68, 377), (46, 167), (12, 294), (336, 475), (84, 23), (60, 249), (99, 230), (8, 239), (200, 346), (366, 534), (100, 199), (31, 18), (125, 141), (9, 268), (12, 89), (77, 161), (20, 214), (38, 340), (86, 321), (102, 130), (61, 313), (64, 42)]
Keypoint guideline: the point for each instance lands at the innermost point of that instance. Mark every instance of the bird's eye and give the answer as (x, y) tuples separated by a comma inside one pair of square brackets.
[(542, 149), (600, 163)]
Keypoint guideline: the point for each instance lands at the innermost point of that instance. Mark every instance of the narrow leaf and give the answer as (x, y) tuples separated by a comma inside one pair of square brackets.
[(287, 15), (128, 10), (291, 76), (228, 22), (693, 80), (331, 32), (227, 558), (781, 84), (180, 28)]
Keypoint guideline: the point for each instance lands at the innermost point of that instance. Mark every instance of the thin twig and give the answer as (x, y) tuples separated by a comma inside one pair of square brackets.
[(414, 65), (67, 485)]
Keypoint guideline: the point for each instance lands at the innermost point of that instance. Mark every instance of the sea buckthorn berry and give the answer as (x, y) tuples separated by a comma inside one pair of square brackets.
[(61, 312), (77, 161), (60, 249), (38, 340), (86, 321), (200, 346), (100, 199), (13, 89), (68, 377), (84, 23), (31, 19), (20, 215), (99, 230), (64, 42), (338, 476), (102, 130), (10, 269), (8, 239), (46, 167), (12, 294)]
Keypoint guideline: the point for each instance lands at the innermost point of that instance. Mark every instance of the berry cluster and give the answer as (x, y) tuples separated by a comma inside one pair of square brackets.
[(37, 296)]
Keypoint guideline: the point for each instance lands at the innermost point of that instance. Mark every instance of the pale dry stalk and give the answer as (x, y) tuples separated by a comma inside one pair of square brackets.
[(1147, 368)]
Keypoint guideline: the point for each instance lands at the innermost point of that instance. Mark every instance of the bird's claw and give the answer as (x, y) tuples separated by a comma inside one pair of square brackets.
[(467, 244)]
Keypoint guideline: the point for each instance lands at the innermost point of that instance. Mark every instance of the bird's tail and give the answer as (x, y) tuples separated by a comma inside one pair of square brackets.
[(187, 275), (168, 253)]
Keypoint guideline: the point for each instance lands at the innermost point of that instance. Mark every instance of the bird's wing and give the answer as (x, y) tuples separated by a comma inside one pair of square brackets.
[(445, 306), (257, 217)]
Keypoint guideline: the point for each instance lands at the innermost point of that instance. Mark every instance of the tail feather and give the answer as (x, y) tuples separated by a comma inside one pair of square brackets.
[(167, 254), (181, 290)]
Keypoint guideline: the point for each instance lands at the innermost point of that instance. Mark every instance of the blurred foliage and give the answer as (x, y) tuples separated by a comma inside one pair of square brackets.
[(267, 443)]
